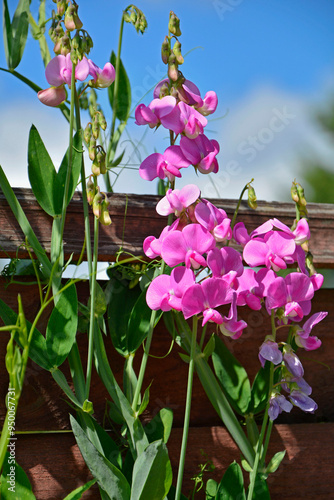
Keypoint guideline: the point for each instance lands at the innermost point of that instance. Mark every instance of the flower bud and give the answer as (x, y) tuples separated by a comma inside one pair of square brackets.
[(87, 133), (164, 90), (95, 127), (102, 121), (173, 72), (165, 50), (99, 163), (97, 208), (76, 41), (72, 21), (61, 7), (91, 191), (105, 217), (294, 193), (65, 44), (177, 52), (252, 198), (74, 56), (92, 148), (174, 24)]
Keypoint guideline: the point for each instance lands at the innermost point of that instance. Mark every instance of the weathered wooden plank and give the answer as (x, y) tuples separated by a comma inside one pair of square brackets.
[(141, 220), (43, 406), (55, 466)]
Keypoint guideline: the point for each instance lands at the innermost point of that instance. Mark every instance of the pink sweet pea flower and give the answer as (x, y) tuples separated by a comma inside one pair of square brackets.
[(300, 234), (187, 92), (201, 152), (230, 325), (274, 250), (293, 293), (185, 119), (187, 246), (59, 70), (226, 263), (303, 338), (176, 201), (152, 245), (210, 103), (154, 113), (214, 220), (240, 234), (166, 292), (204, 298), (163, 165), (52, 96), (102, 78)]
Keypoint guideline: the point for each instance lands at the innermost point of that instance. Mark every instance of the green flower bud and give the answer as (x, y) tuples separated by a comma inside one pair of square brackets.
[(105, 217), (174, 24), (96, 127), (173, 72), (61, 7), (177, 52), (102, 121), (252, 198), (294, 193), (65, 45), (87, 133), (92, 148), (72, 21), (164, 90), (76, 41), (91, 191), (165, 50), (97, 208), (74, 56)]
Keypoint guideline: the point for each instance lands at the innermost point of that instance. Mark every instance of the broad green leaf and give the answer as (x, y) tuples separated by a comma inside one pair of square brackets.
[(78, 492), (232, 376), (62, 327), (7, 32), (59, 187), (211, 489), (231, 486), (152, 473), (109, 477), (139, 322), (261, 491), (121, 302), (160, 426), (275, 462), (145, 401), (60, 378), (18, 488), (37, 350), (20, 25), (259, 392), (123, 98), (42, 173)]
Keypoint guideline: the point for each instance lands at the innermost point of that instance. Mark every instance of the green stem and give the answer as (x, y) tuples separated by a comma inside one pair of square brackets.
[(187, 410), (115, 103), (92, 309), (260, 453)]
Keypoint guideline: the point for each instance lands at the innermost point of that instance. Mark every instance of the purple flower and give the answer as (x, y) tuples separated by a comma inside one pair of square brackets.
[(154, 113), (303, 338), (166, 292), (225, 262), (214, 220), (201, 152), (187, 246), (163, 165), (178, 200), (294, 293), (273, 250), (304, 402), (230, 326), (205, 297), (152, 245), (293, 363), (240, 234), (210, 103), (186, 120), (269, 351), (59, 70), (277, 404)]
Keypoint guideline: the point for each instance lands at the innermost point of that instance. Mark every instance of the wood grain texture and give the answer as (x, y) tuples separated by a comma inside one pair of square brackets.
[(55, 466), (142, 220)]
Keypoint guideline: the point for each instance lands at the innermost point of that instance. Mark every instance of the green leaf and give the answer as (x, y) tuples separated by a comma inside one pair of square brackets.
[(139, 322), (62, 326), (7, 32), (121, 302), (37, 350), (100, 302), (171, 494), (42, 173), (211, 489), (60, 378), (152, 473), (160, 426), (275, 462), (260, 389), (109, 477), (261, 491), (77, 493), (20, 25), (19, 488), (232, 376), (145, 401), (123, 98), (37, 31), (59, 186), (231, 486), (209, 348)]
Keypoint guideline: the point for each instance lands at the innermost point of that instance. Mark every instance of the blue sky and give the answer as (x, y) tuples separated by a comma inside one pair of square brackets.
[(263, 59)]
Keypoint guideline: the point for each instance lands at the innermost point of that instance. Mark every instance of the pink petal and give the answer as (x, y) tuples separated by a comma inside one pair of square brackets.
[(148, 169), (156, 291), (53, 70), (53, 96), (193, 301)]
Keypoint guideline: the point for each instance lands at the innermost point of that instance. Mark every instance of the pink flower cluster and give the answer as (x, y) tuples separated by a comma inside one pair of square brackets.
[(195, 246), (59, 73), (183, 113)]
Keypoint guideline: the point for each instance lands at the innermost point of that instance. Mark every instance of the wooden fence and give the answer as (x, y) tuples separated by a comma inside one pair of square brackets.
[(52, 460)]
